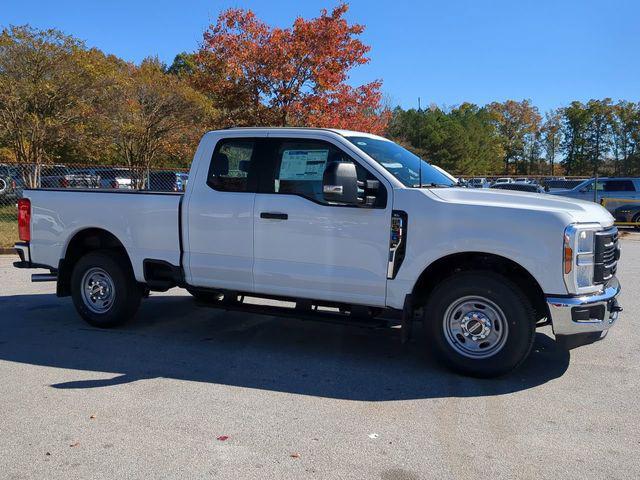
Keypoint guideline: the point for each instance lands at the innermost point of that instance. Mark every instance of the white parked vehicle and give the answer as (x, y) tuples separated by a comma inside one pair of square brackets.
[(337, 219), (479, 182), (503, 180)]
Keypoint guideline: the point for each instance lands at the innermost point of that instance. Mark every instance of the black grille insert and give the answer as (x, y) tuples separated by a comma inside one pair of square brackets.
[(607, 254)]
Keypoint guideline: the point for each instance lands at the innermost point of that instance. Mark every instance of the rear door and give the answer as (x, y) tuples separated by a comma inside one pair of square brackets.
[(308, 248), (220, 217)]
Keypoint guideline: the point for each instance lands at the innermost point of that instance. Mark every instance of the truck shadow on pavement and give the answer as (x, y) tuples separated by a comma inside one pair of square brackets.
[(172, 338)]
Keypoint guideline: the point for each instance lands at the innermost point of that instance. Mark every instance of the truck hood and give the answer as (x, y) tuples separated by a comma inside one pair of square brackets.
[(580, 211)]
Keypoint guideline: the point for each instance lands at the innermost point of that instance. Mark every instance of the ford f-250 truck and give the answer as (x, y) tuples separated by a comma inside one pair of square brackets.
[(347, 220)]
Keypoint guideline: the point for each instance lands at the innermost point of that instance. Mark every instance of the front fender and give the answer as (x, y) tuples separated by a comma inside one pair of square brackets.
[(528, 237)]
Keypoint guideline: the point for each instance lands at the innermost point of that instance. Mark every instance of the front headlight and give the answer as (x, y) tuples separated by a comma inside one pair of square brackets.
[(579, 258)]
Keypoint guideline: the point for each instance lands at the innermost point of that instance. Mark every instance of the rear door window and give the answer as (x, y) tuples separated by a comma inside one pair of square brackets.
[(619, 186), (232, 166)]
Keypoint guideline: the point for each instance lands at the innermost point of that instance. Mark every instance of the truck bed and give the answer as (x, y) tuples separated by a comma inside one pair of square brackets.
[(146, 223)]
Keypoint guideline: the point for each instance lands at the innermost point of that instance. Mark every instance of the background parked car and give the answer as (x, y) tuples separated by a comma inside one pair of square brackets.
[(560, 183), (628, 213), (10, 186), (519, 187), (503, 180), (114, 178), (167, 181), (61, 176), (612, 192), (478, 183)]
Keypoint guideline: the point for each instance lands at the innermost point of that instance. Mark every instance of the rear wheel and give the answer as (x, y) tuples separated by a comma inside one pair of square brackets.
[(479, 323), (636, 220), (104, 289)]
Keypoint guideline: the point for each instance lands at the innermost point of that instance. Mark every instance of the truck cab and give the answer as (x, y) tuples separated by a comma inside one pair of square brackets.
[(343, 220)]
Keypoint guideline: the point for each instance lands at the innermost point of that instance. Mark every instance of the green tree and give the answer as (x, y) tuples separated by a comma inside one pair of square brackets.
[(183, 64), (47, 88), (154, 116), (575, 124), (462, 139), (552, 136), (516, 123), (598, 132), (625, 128)]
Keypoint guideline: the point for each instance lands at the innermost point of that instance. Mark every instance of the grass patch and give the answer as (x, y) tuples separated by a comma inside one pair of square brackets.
[(8, 226)]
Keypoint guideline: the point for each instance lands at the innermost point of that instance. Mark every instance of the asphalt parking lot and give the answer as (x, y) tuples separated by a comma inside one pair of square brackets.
[(191, 392)]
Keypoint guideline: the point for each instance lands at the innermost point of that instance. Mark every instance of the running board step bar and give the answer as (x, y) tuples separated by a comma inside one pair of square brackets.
[(385, 321), (44, 277)]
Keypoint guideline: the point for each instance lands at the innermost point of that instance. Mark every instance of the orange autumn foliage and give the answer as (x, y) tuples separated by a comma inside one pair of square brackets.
[(297, 76)]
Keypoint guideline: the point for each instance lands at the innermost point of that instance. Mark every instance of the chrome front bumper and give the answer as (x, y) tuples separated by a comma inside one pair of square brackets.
[(587, 314)]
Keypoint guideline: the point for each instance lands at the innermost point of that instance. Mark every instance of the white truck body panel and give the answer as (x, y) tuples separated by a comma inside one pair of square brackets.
[(320, 252), (146, 224), (523, 227), (343, 257), (308, 215)]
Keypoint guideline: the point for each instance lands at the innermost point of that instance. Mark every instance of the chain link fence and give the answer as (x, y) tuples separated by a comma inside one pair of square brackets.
[(14, 178), (545, 184)]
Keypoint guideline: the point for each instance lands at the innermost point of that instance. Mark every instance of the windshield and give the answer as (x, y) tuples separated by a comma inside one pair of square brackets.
[(401, 163)]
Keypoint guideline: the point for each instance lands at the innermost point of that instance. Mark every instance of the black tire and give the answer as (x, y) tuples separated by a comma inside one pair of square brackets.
[(127, 292), (636, 220), (515, 311)]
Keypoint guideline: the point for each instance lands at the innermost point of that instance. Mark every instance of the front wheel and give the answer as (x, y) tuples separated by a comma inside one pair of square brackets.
[(479, 323), (104, 289)]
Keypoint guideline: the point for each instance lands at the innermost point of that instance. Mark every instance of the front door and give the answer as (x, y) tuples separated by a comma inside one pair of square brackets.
[(304, 246)]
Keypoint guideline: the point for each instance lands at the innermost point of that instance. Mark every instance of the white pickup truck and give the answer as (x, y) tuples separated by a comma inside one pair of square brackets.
[(337, 223)]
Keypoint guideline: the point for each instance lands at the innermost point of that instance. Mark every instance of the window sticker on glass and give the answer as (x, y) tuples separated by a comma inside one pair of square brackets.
[(303, 164)]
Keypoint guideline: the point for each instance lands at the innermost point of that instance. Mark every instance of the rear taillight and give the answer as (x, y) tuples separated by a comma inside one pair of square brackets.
[(64, 183), (114, 184), (24, 219)]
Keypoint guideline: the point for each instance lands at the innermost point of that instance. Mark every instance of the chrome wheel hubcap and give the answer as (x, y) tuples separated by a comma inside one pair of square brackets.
[(98, 292), (475, 327)]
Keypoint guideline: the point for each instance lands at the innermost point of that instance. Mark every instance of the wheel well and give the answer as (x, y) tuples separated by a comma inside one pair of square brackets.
[(477, 261), (82, 243)]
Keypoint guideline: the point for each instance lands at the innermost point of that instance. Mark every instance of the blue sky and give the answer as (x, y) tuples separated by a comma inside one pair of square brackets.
[(445, 52)]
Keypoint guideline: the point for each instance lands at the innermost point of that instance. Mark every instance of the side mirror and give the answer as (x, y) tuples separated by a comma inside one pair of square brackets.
[(340, 183)]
